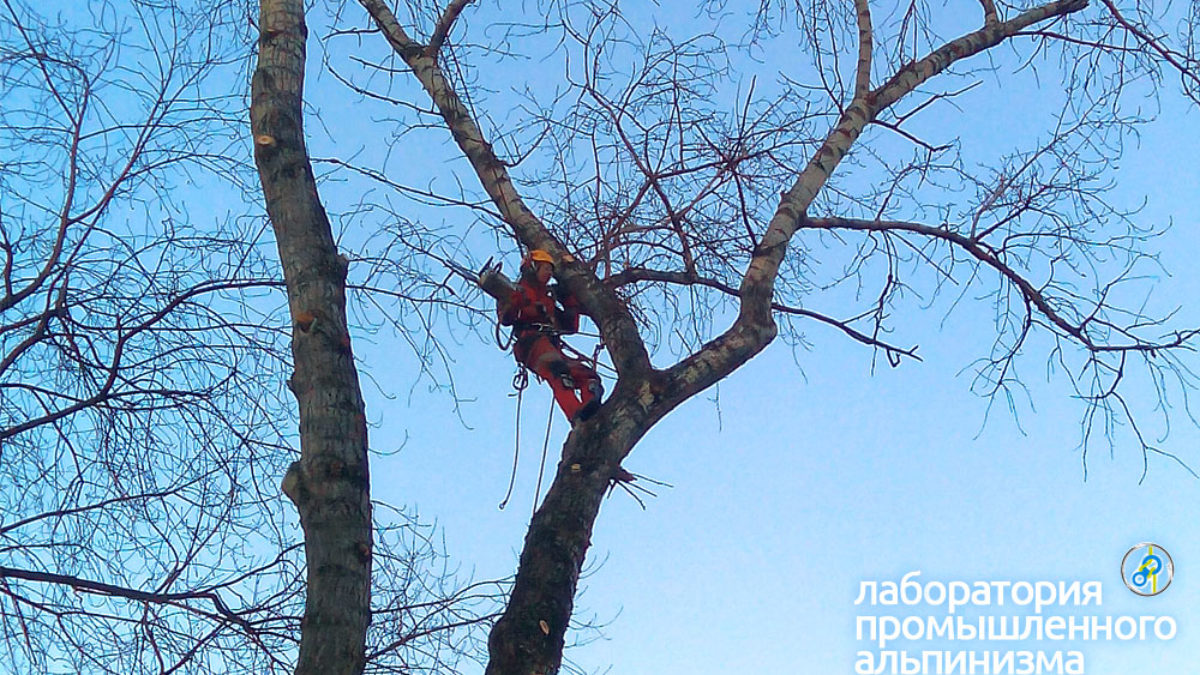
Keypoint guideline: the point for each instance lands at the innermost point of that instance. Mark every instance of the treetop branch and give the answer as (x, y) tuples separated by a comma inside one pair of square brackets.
[(613, 318), (442, 30), (1033, 296), (754, 327), (862, 79), (638, 274)]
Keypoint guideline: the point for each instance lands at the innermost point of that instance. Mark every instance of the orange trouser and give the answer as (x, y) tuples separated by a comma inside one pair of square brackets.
[(546, 359)]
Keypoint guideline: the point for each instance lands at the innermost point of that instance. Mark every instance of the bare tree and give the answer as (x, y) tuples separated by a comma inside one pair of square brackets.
[(685, 184), (144, 427), (138, 423)]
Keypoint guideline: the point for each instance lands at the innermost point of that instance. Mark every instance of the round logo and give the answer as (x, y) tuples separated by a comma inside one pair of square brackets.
[(1147, 569)]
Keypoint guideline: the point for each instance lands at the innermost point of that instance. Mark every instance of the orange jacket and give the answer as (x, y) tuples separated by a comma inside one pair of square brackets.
[(533, 309)]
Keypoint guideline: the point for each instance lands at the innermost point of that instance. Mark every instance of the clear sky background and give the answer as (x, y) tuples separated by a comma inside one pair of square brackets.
[(809, 471), (806, 473), (806, 480)]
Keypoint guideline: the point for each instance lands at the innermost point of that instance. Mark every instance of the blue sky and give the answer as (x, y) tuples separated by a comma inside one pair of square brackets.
[(797, 490), (813, 474), (806, 480), (806, 472)]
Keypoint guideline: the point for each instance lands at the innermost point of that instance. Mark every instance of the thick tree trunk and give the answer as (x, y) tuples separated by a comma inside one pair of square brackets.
[(330, 483), (530, 636)]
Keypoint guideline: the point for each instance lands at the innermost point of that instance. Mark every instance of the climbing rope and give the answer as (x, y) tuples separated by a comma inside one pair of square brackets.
[(504, 343), (520, 382), (545, 446), (595, 364)]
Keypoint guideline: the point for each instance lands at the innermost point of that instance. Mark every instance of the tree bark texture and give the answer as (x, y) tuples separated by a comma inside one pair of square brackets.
[(330, 484), (530, 636)]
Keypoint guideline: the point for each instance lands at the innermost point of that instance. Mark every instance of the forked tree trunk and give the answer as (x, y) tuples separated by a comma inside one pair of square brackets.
[(330, 483), (529, 637)]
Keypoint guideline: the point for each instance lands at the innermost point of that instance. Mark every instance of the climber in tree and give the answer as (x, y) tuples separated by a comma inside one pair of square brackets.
[(533, 310)]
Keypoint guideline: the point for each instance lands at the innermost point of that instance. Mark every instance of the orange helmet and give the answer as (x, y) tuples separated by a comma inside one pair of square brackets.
[(539, 255)]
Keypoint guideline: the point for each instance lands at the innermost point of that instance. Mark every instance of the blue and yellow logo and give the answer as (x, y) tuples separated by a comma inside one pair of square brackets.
[(1147, 569)]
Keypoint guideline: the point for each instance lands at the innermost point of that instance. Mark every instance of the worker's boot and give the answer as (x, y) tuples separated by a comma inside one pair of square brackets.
[(593, 390)]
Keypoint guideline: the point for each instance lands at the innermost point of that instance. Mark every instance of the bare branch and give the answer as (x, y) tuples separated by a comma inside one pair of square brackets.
[(990, 16), (444, 24), (754, 327), (616, 324), (632, 275), (862, 78), (983, 253), (1187, 67), (101, 588)]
